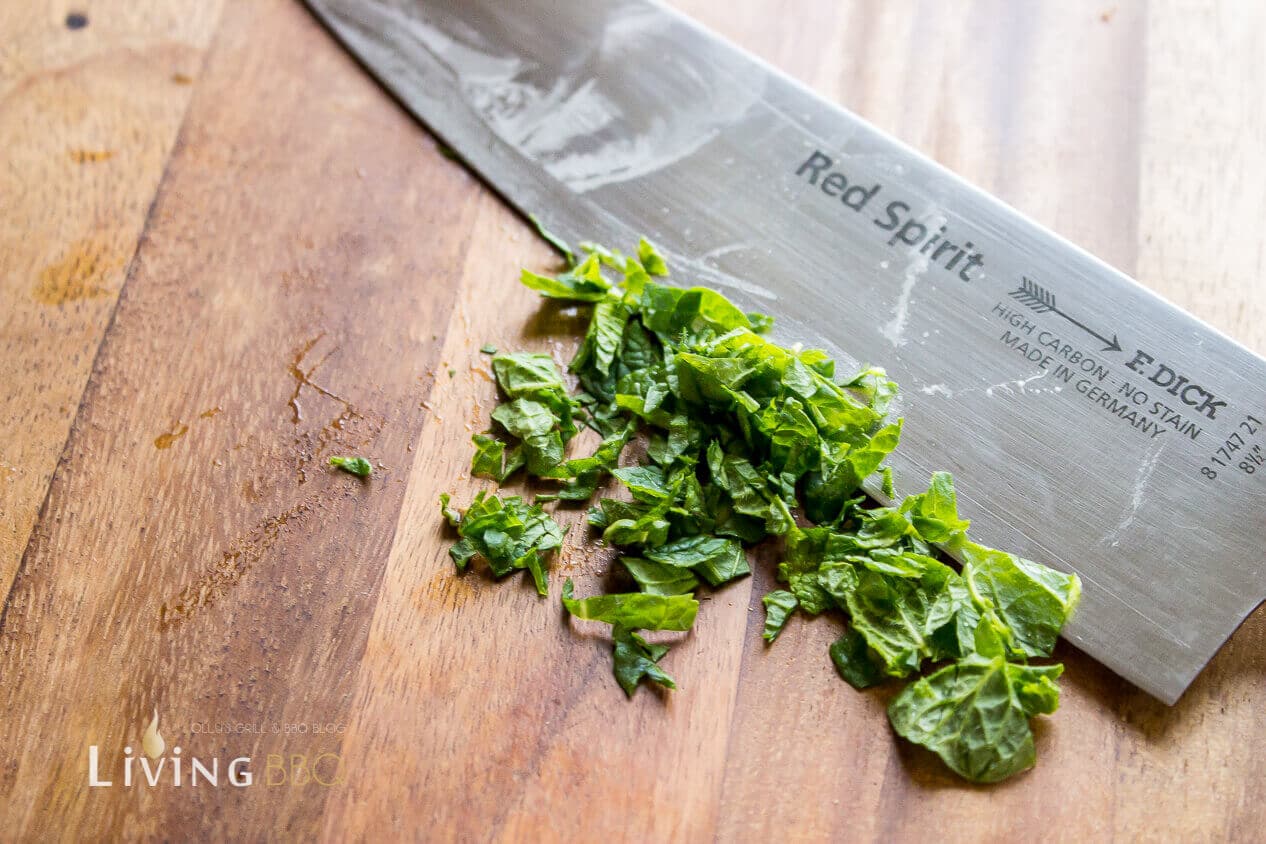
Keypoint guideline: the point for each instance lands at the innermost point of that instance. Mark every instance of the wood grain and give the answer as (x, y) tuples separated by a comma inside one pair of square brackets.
[(315, 277), (297, 265), (88, 117)]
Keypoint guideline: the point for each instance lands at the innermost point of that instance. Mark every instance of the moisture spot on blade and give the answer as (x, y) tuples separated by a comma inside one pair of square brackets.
[(895, 329), (1137, 496)]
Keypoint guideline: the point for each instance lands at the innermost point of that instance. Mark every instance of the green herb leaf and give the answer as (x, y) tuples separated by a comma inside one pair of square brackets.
[(1027, 600), (605, 456), (761, 323), (873, 383), (715, 559), (898, 616), (509, 534), (636, 660), (489, 457), (553, 240), (934, 513), (974, 714), (538, 428), (749, 490), (779, 605), (355, 465), (635, 610), (660, 579), (533, 376), (454, 517), (563, 287), (888, 487), (587, 472), (852, 660), (604, 338), (828, 492), (650, 258), (647, 483)]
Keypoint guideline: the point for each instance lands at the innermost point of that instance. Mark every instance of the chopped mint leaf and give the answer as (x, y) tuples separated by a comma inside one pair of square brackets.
[(489, 457), (779, 605), (897, 615), (660, 579), (852, 660), (716, 559), (570, 285), (1028, 601), (729, 439), (974, 714), (508, 533), (488, 349), (646, 483), (355, 465), (875, 386), (553, 240), (636, 610), (761, 323), (586, 472), (540, 413), (603, 339), (534, 376), (454, 517), (635, 660), (650, 258), (934, 513)]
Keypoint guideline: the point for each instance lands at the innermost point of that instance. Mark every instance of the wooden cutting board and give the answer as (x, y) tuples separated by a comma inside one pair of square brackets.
[(225, 255)]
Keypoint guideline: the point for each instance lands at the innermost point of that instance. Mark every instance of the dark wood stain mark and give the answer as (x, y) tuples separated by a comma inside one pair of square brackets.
[(90, 156), (164, 441), (77, 276)]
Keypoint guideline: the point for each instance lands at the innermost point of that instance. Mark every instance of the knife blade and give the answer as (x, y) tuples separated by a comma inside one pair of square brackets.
[(1089, 424)]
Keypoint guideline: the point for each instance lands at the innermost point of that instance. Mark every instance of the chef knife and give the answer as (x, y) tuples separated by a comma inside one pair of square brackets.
[(1089, 424)]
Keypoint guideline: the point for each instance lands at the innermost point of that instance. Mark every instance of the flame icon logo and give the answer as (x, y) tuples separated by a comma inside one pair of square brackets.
[(152, 740)]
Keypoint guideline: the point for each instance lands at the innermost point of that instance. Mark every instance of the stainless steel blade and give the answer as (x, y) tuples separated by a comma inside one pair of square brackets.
[(1089, 424)]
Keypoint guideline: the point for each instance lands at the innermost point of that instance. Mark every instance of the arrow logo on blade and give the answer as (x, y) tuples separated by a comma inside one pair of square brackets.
[(1038, 298)]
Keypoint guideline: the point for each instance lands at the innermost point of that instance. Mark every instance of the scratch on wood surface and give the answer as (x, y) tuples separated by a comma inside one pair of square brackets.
[(231, 568), (304, 378)]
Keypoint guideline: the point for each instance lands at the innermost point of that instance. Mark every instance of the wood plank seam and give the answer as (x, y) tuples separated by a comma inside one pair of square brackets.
[(42, 512)]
